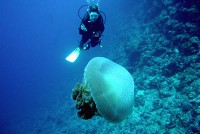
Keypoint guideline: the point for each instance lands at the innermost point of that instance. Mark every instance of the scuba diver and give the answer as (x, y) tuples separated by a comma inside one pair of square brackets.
[(91, 27)]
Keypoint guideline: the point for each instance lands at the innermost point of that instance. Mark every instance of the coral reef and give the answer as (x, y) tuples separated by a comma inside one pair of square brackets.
[(162, 52), (84, 102)]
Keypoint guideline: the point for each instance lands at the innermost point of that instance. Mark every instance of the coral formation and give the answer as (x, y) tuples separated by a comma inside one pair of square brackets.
[(84, 102), (165, 42)]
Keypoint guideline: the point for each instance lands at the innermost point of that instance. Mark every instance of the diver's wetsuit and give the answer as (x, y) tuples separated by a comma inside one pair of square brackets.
[(92, 29)]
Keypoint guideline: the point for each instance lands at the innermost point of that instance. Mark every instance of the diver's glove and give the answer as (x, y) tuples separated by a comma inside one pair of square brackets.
[(83, 27)]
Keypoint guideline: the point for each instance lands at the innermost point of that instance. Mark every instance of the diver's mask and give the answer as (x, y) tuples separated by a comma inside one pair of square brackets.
[(93, 16)]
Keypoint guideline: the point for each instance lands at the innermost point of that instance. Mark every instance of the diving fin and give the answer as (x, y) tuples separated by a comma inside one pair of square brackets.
[(74, 55)]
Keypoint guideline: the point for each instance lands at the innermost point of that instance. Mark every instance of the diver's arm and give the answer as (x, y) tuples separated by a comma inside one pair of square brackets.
[(82, 28)]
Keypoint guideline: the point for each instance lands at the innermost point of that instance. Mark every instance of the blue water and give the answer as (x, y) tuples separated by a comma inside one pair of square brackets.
[(36, 81), (35, 38)]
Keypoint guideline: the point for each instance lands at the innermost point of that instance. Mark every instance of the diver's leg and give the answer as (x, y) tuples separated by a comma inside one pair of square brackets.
[(83, 41), (95, 41)]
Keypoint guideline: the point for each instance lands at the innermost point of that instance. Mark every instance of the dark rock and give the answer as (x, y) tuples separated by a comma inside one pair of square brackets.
[(139, 99), (185, 120), (186, 106), (134, 57), (159, 52), (169, 122), (165, 92), (194, 130), (157, 104), (171, 69)]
